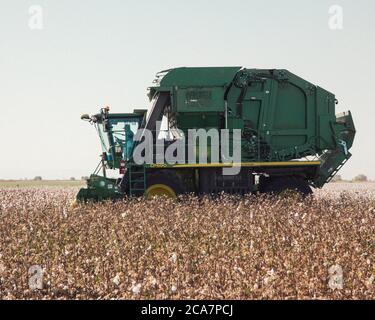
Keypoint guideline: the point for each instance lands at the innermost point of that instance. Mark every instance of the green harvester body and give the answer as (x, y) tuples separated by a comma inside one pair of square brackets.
[(289, 128)]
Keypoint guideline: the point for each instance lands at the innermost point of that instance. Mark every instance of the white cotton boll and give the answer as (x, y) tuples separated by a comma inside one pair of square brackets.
[(137, 288), (174, 257), (116, 280)]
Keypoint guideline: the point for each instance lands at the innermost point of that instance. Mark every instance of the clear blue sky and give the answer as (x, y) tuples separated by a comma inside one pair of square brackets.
[(92, 53)]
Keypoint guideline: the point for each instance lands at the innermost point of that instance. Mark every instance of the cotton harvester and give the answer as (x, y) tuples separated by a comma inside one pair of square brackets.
[(290, 137)]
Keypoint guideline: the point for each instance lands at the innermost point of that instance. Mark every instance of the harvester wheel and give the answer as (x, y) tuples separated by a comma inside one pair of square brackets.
[(123, 183), (279, 185), (164, 183)]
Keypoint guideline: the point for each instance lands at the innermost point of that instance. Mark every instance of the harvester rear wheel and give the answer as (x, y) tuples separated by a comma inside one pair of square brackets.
[(280, 185), (164, 183)]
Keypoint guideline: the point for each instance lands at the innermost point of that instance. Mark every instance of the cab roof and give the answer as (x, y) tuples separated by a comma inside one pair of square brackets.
[(195, 76)]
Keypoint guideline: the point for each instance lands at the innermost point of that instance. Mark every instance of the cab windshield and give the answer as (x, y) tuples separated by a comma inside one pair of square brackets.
[(104, 140), (119, 129), (119, 138), (121, 135)]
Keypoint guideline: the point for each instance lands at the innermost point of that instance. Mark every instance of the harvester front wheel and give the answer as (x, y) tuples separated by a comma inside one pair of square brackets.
[(281, 185), (167, 184)]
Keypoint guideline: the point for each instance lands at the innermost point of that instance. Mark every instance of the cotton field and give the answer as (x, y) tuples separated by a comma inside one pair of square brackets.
[(255, 247)]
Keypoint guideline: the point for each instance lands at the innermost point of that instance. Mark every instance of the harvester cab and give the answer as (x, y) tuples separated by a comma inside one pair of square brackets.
[(116, 133)]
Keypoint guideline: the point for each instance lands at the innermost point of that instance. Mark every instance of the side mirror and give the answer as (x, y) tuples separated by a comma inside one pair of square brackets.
[(85, 117)]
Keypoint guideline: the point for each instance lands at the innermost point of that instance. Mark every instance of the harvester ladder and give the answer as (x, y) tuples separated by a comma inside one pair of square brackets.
[(137, 180)]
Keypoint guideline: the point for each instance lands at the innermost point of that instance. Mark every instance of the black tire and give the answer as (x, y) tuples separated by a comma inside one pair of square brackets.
[(123, 183), (277, 185), (168, 178)]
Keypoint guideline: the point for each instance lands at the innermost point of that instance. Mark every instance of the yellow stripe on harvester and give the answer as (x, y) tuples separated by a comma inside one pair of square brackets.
[(242, 164)]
